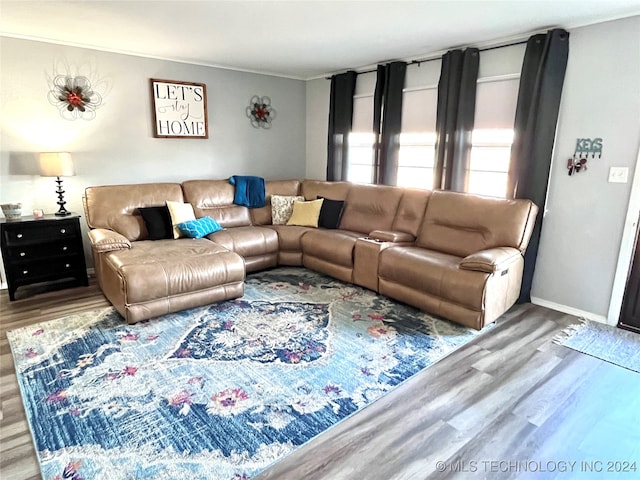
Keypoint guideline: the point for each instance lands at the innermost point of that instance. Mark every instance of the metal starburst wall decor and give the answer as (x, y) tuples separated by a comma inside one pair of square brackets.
[(74, 97), (260, 112)]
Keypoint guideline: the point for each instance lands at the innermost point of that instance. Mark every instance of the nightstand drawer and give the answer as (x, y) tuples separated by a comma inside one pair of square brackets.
[(54, 268), (32, 252), (37, 234)]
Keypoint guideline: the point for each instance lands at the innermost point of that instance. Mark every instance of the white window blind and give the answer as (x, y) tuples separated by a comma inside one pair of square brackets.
[(419, 110), (418, 137), (496, 99), (362, 114), (496, 104), (492, 136), (361, 139), (417, 141)]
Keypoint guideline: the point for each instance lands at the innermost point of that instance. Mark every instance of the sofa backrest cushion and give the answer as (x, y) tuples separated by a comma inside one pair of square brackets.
[(370, 207), (262, 216), (461, 224), (411, 211), (312, 189), (115, 207), (214, 198)]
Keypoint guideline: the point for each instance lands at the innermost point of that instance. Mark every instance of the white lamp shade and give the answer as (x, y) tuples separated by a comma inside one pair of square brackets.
[(56, 164)]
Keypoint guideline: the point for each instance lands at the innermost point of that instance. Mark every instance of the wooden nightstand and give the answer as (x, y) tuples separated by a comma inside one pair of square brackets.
[(41, 250)]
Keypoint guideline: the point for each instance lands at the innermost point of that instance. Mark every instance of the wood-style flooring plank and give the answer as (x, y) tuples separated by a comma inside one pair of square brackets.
[(509, 395)]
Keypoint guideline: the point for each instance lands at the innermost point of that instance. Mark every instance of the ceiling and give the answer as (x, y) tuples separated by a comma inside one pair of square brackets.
[(298, 39)]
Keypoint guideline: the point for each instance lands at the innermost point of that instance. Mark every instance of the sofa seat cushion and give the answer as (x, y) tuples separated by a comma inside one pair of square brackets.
[(335, 246), (290, 236), (247, 241), (435, 273), (158, 269)]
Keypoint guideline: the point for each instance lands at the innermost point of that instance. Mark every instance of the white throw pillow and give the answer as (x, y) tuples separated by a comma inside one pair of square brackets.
[(180, 212), (282, 207)]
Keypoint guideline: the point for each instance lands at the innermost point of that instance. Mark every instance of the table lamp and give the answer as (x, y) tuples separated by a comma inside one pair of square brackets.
[(57, 164)]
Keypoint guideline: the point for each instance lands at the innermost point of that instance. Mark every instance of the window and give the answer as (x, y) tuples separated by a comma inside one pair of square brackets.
[(361, 139), (415, 165), (418, 137), (496, 100), (360, 157), (490, 158)]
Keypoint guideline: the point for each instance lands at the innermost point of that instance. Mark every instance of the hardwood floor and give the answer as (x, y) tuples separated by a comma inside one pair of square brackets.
[(511, 404)]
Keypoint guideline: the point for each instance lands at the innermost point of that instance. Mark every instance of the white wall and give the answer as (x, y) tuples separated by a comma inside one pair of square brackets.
[(583, 226), (585, 214), (317, 128), (118, 145)]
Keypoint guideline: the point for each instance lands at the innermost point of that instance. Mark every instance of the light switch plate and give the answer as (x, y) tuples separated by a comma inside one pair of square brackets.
[(618, 174)]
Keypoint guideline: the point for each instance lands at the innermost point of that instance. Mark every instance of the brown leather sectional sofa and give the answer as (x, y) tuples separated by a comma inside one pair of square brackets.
[(457, 256)]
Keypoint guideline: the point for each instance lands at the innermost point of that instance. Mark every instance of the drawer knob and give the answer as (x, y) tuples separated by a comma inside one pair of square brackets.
[(19, 235), (64, 249), (22, 254), (24, 272), (63, 230)]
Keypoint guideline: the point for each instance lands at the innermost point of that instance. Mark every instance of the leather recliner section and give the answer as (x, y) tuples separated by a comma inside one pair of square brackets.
[(455, 255), (115, 207), (214, 198)]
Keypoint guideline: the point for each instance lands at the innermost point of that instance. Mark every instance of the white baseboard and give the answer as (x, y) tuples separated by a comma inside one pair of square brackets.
[(569, 310)]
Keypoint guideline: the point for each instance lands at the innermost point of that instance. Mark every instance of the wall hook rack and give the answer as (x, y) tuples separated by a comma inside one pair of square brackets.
[(585, 148)]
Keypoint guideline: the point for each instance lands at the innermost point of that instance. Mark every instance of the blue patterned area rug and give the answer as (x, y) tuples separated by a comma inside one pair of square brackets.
[(217, 392), (605, 342)]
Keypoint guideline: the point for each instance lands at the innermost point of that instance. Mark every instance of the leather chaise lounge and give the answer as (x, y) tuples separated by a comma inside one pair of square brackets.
[(454, 255), (146, 278)]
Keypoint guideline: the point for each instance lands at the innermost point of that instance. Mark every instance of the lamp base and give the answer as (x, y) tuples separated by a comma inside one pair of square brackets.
[(62, 212)]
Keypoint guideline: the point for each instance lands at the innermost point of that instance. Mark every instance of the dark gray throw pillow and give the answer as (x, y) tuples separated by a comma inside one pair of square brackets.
[(158, 222), (330, 213)]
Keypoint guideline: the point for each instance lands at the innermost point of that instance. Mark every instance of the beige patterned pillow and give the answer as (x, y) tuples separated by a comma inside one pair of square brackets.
[(282, 207)]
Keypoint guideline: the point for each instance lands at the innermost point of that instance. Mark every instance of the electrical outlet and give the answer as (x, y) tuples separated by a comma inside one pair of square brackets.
[(618, 174)]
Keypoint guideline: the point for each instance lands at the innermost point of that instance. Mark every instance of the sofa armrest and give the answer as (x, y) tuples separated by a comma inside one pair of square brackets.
[(491, 260), (391, 236), (103, 240)]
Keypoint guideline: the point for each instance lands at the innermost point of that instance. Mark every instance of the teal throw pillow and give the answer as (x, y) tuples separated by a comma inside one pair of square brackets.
[(199, 228)]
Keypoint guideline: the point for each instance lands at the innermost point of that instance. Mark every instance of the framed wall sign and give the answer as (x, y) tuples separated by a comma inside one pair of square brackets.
[(179, 109)]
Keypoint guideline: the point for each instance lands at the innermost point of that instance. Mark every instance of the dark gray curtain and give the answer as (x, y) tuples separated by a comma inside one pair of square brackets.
[(454, 118), (343, 87), (378, 98), (541, 80), (387, 112)]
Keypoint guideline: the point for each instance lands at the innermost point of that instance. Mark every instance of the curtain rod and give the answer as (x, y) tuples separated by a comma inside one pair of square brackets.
[(425, 60)]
